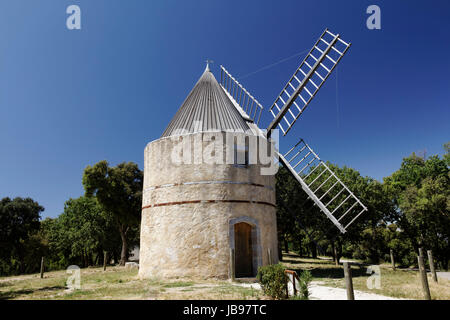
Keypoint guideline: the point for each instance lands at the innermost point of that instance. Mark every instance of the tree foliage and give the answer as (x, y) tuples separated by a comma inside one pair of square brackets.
[(19, 220), (119, 191), (408, 210), (421, 193), (82, 232)]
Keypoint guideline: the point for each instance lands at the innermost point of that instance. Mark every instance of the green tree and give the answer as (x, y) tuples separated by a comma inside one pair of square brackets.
[(447, 153), (316, 229), (287, 197), (397, 240), (427, 211), (420, 189), (19, 219), (295, 214), (81, 229), (368, 190), (119, 191), (57, 247), (79, 235)]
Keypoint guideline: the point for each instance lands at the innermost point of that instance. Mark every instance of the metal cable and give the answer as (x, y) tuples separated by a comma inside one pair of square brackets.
[(273, 64)]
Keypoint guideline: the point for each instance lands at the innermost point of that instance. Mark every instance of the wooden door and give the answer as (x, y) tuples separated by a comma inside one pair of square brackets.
[(243, 250)]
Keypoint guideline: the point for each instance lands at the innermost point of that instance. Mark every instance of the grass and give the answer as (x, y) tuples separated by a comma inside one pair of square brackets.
[(178, 284), (404, 284), (119, 283)]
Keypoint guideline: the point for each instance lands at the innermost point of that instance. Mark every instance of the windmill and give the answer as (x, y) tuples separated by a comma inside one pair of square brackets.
[(321, 184), (218, 219)]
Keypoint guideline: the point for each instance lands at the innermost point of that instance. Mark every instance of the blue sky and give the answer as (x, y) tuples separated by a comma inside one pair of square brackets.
[(70, 98)]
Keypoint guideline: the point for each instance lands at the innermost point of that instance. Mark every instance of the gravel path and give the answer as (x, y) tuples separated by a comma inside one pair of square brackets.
[(320, 292), (445, 275)]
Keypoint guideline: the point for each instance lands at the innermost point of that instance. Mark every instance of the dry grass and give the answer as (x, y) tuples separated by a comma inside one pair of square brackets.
[(399, 284), (119, 283)]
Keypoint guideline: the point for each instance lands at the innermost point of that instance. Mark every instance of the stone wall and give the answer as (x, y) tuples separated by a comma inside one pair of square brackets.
[(189, 209)]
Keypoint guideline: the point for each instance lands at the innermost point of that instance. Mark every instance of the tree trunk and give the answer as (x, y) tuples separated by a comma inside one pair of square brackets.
[(90, 260), (86, 262), (375, 250), (115, 256), (313, 250), (300, 249), (336, 257), (100, 256), (124, 252), (21, 262), (444, 263), (337, 250), (83, 259), (334, 253)]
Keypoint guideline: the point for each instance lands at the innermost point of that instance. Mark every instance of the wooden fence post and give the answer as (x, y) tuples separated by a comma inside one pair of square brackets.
[(42, 267), (392, 259), (348, 281), (423, 277), (105, 256), (293, 283), (431, 262), (421, 252), (232, 265), (288, 274), (287, 285)]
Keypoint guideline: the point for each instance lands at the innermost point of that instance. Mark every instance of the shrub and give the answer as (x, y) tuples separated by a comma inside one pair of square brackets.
[(305, 279), (273, 280)]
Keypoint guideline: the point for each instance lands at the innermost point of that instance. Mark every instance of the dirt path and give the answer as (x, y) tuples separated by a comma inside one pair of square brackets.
[(445, 275), (320, 292)]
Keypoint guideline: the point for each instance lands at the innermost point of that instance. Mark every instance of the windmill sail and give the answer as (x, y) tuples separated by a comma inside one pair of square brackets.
[(307, 80), (249, 107), (320, 183), (327, 191)]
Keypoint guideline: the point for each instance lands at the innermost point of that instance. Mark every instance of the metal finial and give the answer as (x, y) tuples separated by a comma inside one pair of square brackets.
[(207, 64)]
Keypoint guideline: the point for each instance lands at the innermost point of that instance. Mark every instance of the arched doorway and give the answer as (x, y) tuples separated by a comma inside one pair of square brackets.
[(243, 250), (245, 239)]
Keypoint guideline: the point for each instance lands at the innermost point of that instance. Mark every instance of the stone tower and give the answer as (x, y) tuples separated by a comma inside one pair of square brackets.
[(202, 198)]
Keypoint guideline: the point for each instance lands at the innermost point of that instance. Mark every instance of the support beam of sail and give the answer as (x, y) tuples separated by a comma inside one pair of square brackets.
[(250, 108), (309, 77), (322, 185)]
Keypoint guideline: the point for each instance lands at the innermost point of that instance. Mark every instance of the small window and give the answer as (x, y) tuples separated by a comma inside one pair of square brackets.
[(241, 157)]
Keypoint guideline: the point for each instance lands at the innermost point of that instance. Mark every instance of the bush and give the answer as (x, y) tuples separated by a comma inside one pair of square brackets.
[(273, 280), (305, 279)]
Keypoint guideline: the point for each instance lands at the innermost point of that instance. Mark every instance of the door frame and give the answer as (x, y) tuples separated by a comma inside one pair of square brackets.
[(256, 239)]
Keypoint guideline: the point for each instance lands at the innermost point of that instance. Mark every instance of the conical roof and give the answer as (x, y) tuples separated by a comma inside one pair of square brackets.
[(206, 108)]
